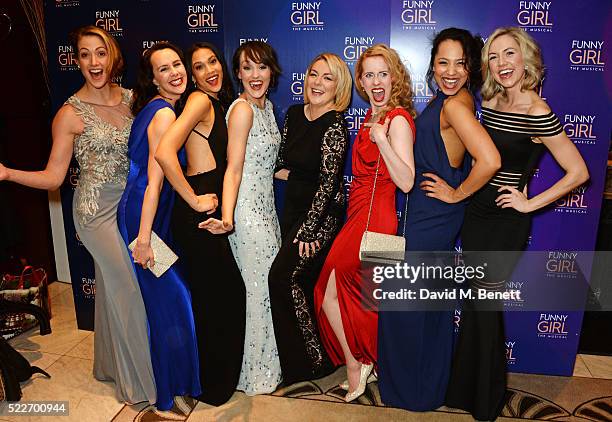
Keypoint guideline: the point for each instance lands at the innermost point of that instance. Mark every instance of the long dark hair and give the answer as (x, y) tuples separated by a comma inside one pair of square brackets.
[(471, 44), (226, 94), (145, 88)]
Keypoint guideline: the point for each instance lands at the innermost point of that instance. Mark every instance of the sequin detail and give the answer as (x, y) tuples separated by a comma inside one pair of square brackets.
[(255, 243), (101, 151)]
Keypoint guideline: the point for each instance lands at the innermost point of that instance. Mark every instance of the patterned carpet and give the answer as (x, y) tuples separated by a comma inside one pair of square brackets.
[(531, 397)]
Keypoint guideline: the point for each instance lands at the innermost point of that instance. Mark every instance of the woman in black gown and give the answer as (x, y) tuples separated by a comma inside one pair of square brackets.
[(217, 289), (498, 218), (311, 159)]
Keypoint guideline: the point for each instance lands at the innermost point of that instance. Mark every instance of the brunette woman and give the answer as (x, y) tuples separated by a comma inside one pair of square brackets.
[(248, 202), (144, 211), (415, 347), (217, 290)]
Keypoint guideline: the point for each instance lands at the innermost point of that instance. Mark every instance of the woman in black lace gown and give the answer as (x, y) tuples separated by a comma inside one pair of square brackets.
[(311, 159), (498, 218)]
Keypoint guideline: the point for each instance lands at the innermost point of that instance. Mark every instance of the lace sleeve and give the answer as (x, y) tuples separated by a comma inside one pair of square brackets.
[(333, 148), (280, 159)]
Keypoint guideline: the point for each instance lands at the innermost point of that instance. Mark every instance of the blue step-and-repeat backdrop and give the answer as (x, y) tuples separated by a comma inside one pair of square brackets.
[(574, 36)]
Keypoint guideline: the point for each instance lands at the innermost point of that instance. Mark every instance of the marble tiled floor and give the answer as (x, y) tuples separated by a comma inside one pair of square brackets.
[(68, 352)]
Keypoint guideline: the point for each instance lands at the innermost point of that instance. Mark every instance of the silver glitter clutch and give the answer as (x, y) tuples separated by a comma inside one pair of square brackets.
[(164, 256), (380, 247)]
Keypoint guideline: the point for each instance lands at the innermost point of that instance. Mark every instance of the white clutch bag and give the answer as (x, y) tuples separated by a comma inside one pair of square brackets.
[(164, 256), (381, 247)]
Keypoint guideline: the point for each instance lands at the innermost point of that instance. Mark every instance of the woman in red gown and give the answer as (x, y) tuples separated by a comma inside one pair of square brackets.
[(347, 317)]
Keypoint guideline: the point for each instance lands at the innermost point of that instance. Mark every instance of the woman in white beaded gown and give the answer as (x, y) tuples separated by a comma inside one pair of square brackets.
[(248, 203)]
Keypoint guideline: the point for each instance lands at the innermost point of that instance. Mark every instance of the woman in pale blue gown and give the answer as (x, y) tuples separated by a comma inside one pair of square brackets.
[(248, 203)]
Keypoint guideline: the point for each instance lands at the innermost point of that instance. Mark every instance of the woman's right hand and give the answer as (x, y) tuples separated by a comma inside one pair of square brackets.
[(206, 203), (216, 226)]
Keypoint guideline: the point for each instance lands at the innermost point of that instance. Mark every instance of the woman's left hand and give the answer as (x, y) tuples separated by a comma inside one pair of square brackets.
[(438, 188), (514, 199), (307, 249), (143, 254)]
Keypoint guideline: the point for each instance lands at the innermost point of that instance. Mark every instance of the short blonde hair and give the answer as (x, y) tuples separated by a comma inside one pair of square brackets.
[(532, 57), (340, 72), (115, 59), (401, 89)]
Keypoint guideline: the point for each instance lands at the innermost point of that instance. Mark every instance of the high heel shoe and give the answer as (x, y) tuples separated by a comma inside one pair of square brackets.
[(364, 372), (372, 378)]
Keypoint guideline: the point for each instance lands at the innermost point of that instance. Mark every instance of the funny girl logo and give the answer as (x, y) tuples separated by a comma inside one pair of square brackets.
[(420, 88), (354, 117), (73, 176), (146, 44), (66, 58), (354, 46), (574, 202), (562, 264), (517, 300), (457, 320), (297, 86), (88, 287), (202, 18), (579, 128), (306, 16), (552, 326), (418, 15), (535, 16), (587, 55), (109, 21), (511, 352), (67, 3)]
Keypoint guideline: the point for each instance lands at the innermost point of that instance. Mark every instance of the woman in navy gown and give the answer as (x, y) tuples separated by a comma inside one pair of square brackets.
[(414, 348), (146, 207)]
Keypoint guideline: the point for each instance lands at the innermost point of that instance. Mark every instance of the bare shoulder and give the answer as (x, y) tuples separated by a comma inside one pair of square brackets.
[(197, 103), (163, 116), (67, 120), (538, 107), (459, 102), (241, 110)]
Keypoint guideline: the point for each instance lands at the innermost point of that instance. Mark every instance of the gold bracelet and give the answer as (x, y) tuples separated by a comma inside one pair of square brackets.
[(462, 191)]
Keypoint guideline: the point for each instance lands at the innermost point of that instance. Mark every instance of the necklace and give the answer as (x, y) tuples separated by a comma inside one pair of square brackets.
[(170, 100)]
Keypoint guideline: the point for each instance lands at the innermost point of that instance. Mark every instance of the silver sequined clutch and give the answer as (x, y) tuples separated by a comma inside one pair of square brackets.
[(382, 248), (164, 256)]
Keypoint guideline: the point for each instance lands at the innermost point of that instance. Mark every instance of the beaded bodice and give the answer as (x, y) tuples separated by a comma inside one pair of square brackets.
[(100, 150)]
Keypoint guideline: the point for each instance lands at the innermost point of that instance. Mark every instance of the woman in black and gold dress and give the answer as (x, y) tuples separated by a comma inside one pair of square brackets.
[(311, 159), (498, 218)]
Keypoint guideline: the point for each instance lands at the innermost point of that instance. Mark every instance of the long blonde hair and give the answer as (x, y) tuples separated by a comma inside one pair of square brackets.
[(532, 57)]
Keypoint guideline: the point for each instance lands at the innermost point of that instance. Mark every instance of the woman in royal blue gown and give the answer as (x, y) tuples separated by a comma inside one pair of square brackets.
[(146, 207), (415, 348)]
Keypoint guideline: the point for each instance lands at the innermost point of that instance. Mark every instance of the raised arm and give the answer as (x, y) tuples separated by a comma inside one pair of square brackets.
[(198, 105), (66, 125), (143, 254), (395, 145), (459, 114), (567, 156)]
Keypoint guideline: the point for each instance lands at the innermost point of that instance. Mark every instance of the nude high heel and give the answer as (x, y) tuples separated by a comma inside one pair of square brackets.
[(363, 377), (372, 378)]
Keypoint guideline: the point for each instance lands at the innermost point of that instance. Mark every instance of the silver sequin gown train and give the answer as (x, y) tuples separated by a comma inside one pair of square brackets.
[(255, 243), (121, 343)]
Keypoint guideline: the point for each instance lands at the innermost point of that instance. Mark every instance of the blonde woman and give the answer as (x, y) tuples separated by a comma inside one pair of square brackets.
[(498, 218), (311, 157)]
